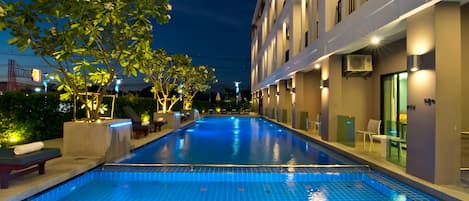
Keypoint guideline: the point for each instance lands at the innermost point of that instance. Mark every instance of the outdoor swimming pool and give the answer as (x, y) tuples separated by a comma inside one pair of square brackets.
[(235, 140), (231, 184), (165, 170)]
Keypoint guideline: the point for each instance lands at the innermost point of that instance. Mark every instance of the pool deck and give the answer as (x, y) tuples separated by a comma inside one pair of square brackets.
[(61, 169)]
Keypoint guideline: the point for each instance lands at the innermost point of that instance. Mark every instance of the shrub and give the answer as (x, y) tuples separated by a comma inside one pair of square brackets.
[(26, 117)]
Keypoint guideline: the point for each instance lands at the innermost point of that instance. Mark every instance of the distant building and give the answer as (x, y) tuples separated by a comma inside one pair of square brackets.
[(14, 77)]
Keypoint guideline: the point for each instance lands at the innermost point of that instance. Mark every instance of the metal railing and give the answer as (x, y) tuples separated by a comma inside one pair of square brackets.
[(235, 165)]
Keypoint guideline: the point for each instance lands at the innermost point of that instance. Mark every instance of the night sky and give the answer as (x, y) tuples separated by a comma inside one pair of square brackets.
[(213, 32)]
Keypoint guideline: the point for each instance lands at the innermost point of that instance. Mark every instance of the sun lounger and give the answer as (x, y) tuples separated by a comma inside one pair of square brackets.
[(137, 126), (159, 122), (9, 162)]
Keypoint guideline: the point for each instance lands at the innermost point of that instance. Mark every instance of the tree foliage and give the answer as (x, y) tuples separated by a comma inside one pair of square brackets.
[(86, 42), (174, 77), (195, 79), (164, 72)]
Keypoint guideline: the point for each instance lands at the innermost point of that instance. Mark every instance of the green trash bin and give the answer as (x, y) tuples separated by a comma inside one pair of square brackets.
[(346, 130)]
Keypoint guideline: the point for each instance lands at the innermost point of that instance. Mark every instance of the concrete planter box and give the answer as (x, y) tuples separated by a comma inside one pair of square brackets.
[(193, 114), (173, 119), (109, 139)]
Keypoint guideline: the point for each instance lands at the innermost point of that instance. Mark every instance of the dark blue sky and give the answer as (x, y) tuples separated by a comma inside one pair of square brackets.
[(213, 32)]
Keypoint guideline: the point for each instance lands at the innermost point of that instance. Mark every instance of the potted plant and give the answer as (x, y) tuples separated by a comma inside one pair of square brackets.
[(165, 72)]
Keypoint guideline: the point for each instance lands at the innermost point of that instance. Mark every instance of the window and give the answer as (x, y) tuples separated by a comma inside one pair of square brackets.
[(394, 115), (351, 6), (338, 12), (306, 38)]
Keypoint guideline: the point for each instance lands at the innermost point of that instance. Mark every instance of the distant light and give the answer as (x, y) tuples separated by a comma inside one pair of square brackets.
[(37, 89), (317, 66), (36, 75), (375, 40), (190, 130), (118, 81)]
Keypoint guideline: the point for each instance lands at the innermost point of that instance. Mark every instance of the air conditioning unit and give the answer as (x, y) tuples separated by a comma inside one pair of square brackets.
[(358, 63)]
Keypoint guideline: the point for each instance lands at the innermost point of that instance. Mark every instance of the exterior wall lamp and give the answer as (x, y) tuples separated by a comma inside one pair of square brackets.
[(414, 62), (324, 84), (292, 90)]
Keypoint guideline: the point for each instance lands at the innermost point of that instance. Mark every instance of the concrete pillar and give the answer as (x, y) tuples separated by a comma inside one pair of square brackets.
[(465, 65), (465, 85), (281, 90), (272, 101), (295, 45), (434, 94), (307, 98), (327, 12), (284, 102), (265, 101), (331, 97), (255, 102)]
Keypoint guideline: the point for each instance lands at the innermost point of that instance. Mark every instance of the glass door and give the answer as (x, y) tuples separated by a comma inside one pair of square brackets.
[(394, 115)]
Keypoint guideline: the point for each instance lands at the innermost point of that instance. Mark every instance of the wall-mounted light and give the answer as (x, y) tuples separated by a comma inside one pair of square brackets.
[(317, 66), (324, 84), (375, 40), (414, 62), (277, 93), (292, 90)]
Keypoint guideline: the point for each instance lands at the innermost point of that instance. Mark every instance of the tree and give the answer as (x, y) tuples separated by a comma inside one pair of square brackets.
[(165, 73), (86, 42), (194, 80)]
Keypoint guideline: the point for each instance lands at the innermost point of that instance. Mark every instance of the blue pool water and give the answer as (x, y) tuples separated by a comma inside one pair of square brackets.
[(232, 140), (232, 184), (235, 140)]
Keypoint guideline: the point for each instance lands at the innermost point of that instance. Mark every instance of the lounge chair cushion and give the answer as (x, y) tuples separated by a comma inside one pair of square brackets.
[(8, 157)]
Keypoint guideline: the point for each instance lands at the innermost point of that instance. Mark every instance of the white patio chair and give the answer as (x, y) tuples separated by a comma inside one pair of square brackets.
[(371, 130)]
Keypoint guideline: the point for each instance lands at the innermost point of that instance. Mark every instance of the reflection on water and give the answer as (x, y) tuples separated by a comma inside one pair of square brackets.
[(234, 140), (235, 144), (276, 152), (317, 195)]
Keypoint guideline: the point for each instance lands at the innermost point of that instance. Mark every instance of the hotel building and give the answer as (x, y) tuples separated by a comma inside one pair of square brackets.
[(336, 64)]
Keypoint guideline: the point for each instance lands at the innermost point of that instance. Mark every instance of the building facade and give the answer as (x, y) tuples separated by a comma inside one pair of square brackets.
[(318, 62)]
